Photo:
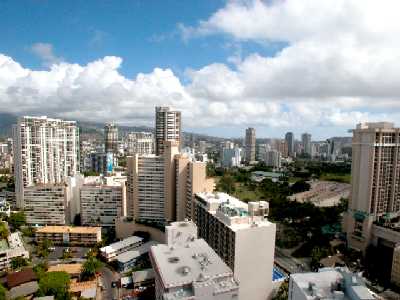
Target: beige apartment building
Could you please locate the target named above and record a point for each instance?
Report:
(375, 195)
(161, 188)
(66, 235)
(45, 152)
(47, 204)
(242, 236)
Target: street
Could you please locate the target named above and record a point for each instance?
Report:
(107, 277)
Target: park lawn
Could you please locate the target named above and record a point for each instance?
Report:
(245, 193)
(344, 178)
(294, 179)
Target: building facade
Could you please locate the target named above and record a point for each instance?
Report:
(250, 145)
(273, 159)
(375, 173)
(140, 143)
(46, 152)
(306, 142)
(47, 204)
(111, 141)
(168, 128)
(66, 235)
(12, 248)
(100, 205)
(242, 236)
(289, 138)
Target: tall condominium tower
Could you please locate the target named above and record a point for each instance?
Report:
(306, 141)
(375, 175)
(160, 188)
(250, 144)
(46, 152)
(289, 137)
(111, 138)
(168, 127)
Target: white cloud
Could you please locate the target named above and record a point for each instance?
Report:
(340, 65)
(45, 52)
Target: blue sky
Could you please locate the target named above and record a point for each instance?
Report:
(278, 66)
(143, 32)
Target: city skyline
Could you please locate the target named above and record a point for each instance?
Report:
(223, 78)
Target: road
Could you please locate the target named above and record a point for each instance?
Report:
(108, 277)
(289, 263)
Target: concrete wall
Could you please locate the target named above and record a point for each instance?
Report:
(124, 229)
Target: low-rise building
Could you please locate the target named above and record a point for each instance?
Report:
(66, 235)
(111, 251)
(191, 271)
(128, 259)
(11, 248)
(328, 283)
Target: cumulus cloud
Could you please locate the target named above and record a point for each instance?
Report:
(45, 52)
(340, 65)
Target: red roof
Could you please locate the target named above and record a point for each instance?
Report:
(17, 278)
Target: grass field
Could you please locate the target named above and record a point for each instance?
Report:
(345, 178)
(244, 193)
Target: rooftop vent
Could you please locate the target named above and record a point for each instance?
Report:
(184, 271)
(173, 260)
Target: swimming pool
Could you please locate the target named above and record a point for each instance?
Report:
(277, 274)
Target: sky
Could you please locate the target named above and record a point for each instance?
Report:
(278, 65)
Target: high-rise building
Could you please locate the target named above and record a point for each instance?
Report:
(140, 143)
(191, 271)
(168, 128)
(250, 145)
(100, 205)
(289, 137)
(242, 236)
(273, 159)
(374, 204)
(161, 188)
(46, 152)
(111, 142)
(231, 157)
(306, 141)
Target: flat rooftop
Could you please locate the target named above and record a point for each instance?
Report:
(121, 244)
(183, 265)
(221, 198)
(68, 229)
(68, 268)
(132, 254)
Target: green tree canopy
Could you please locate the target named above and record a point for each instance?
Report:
(16, 220)
(2, 292)
(55, 284)
(3, 230)
(226, 184)
(90, 267)
(18, 262)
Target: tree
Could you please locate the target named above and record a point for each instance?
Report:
(90, 267)
(283, 292)
(18, 262)
(17, 220)
(41, 268)
(43, 248)
(3, 230)
(226, 184)
(2, 292)
(300, 186)
(55, 284)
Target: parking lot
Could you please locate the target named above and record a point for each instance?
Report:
(76, 252)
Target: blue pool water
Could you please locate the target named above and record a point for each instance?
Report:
(277, 275)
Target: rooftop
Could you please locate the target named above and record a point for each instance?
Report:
(183, 265)
(329, 282)
(132, 254)
(143, 275)
(234, 213)
(121, 244)
(68, 268)
(65, 229)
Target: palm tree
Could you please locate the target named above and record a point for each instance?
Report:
(89, 268)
